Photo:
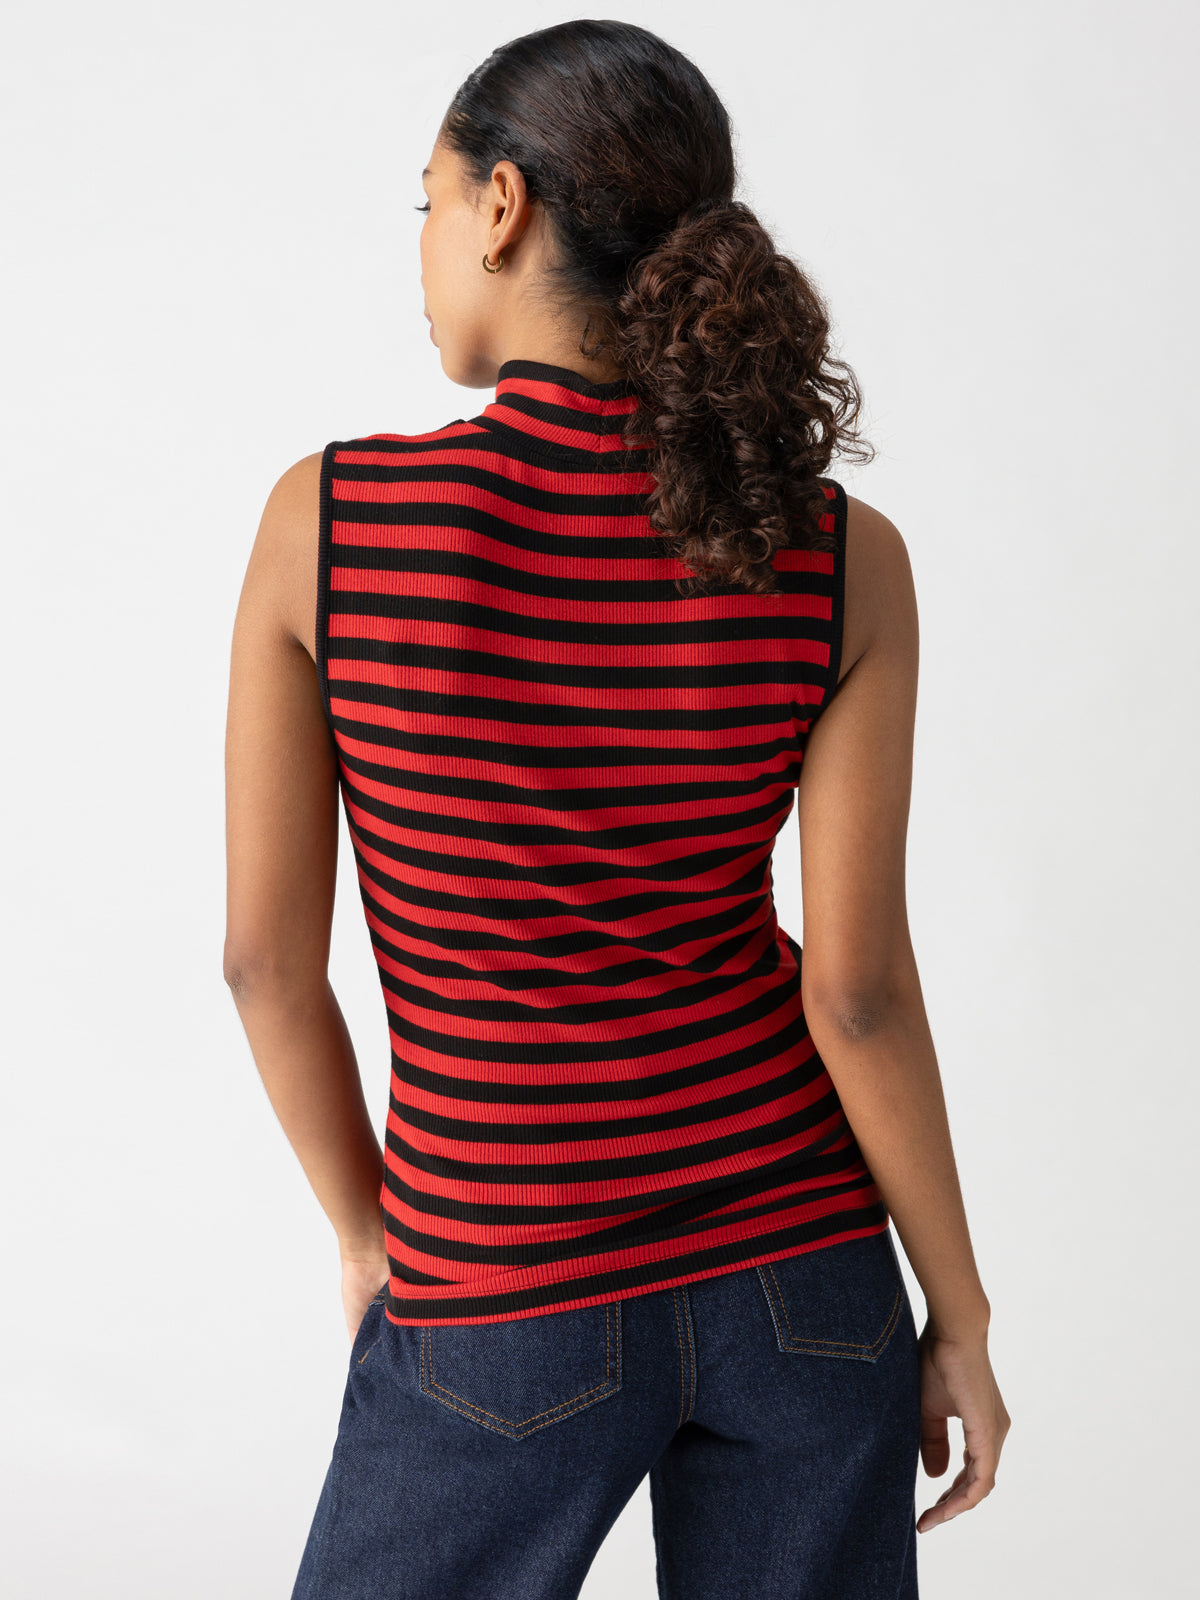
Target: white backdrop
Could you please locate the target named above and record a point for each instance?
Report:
(211, 270)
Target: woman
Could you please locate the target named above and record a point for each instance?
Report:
(567, 660)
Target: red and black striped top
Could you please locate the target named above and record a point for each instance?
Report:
(563, 781)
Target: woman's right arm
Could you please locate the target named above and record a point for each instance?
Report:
(862, 994)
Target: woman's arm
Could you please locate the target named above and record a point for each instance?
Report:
(281, 854)
(862, 994)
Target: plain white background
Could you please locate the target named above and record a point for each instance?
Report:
(211, 270)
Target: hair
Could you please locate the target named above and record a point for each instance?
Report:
(725, 341)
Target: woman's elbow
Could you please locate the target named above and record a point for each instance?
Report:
(860, 1005)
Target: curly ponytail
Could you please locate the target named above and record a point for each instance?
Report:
(725, 340)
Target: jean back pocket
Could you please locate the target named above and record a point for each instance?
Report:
(843, 1299)
(524, 1374)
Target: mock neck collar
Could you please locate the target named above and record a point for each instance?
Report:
(560, 407)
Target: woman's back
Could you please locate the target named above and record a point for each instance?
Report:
(563, 780)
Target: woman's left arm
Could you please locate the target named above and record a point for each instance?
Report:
(281, 790)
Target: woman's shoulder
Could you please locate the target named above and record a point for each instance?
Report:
(880, 600)
(868, 525)
(285, 547)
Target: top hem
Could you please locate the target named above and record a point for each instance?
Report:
(733, 1257)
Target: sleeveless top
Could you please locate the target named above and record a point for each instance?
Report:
(562, 782)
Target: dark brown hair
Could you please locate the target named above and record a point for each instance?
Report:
(724, 339)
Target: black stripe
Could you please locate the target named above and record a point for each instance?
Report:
(324, 542)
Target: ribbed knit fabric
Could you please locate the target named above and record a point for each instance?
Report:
(563, 782)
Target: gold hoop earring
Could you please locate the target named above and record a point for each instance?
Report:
(487, 265)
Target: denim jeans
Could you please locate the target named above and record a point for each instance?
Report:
(776, 1409)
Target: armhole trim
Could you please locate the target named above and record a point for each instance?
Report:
(324, 562)
(838, 612)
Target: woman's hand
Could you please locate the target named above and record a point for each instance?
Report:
(957, 1381)
(361, 1278)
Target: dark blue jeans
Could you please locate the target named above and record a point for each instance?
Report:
(775, 1408)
